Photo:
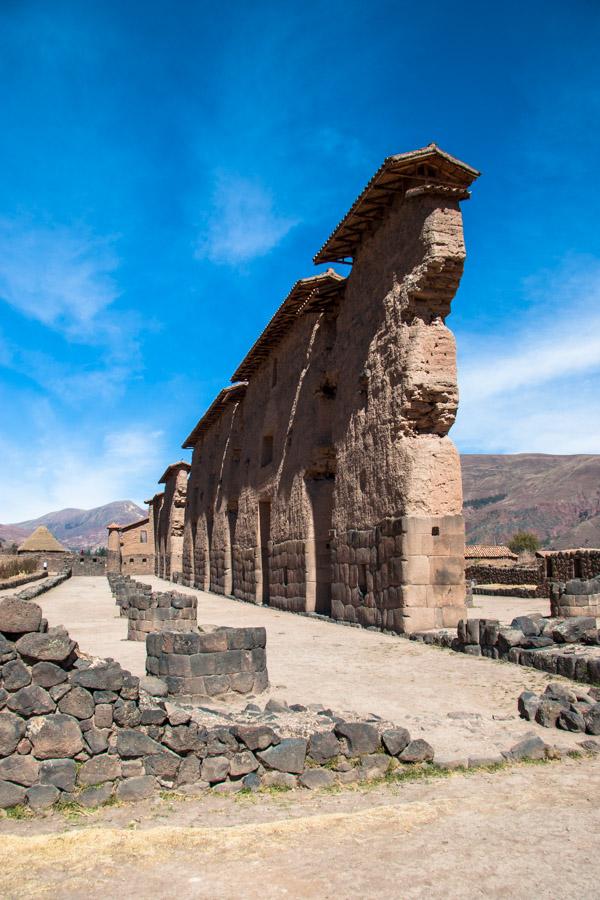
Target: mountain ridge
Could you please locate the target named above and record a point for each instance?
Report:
(78, 529)
(555, 496)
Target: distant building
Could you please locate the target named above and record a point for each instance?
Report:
(42, 545)
(489, 555)
(131, 548)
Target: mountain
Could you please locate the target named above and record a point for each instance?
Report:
(557, 497)
(78, 529)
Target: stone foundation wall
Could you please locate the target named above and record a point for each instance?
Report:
(223, 661)
(244, 573)
(287, 576)
(402, 576)
(576, 598)
(169, 611)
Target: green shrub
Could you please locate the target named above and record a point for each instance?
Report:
(523, 541)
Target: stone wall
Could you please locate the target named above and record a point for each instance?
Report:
(565, 565)
(337, 427)
(576, 598)
(89, 565)
(504, 574)
(210, 664)
(57, 561)
(83, 731)
(160, 611)
(569, 647)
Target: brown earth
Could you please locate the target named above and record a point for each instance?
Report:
(557, 497)
(523, 831)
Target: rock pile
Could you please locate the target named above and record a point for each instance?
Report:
(568, 647)
(72, 727)
(563, 706)
(220, 661)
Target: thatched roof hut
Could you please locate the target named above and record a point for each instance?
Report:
(41, 541)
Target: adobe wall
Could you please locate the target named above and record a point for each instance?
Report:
(331, 484)
(170, 516)
(131, 548)
(88, 565)
(58, 561)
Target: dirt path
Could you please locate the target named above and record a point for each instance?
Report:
(529, 831)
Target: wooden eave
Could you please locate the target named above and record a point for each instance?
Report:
(395, 176)
(227, 395)
(307, 295)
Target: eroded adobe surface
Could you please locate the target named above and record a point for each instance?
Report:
(323, 480)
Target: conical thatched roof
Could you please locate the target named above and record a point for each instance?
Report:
(42, 540)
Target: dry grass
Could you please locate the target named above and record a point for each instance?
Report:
(24, 860)
(10, 566)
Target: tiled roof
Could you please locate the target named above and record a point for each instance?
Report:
(227, 395)
(488, 551)
(307, 295)
(428, 169)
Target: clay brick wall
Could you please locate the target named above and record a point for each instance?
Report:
(131, 548)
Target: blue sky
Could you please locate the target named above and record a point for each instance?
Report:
(169, 170)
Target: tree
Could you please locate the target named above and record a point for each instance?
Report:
(524, 542)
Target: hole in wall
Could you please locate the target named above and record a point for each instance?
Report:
(362, 578)
(435, 531)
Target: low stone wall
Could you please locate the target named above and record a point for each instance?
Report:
(40, 587)
(504, 574)
(167, 611)
(568, 647)
(18, 580)
(124, 589)
(576, 598)
(214, 663)
(78, 729)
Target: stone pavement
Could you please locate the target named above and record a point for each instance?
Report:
(464, 706)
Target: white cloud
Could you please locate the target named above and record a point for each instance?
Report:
(71, 466)
(243, 223)
(56, 275)
(536, 389)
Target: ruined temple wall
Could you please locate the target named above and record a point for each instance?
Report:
(171, 525)
(364, 486)
(234, 470)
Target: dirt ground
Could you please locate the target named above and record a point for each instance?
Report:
(465, 707)
(526, 831)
